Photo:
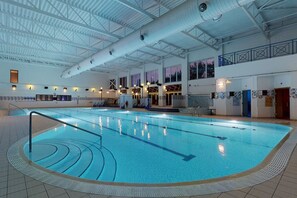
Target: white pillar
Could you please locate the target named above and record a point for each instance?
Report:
(161, 80)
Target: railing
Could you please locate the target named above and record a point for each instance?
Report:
(51, 118)
(9, 108)
(282, 48)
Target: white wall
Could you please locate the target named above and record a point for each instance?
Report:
(267, 74)
(39, 77)
(264, 83)
(201, 86)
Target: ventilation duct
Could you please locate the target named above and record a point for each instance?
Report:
(180, 18)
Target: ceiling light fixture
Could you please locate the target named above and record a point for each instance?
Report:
(13, 87)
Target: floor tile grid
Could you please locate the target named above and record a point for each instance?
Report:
(247, 190)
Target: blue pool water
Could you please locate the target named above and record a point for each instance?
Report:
(151, 148)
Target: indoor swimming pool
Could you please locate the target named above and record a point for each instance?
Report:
(149, 148)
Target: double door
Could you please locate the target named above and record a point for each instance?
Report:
(169, 97)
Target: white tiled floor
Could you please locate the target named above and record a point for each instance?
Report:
(16, 185)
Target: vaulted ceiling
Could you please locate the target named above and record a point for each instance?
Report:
(62, 33)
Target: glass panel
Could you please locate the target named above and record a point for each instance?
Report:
(173, 74)
(123, 81)
(193, 71)
(135, 79)
(178, 73)
(155, 77)
(201, 69)
(167, 74)
(152, 76)
(210, 68)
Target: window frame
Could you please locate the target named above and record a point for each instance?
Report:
(152, 73)
(137, 79)
(11, 76)
(209, 67)
(177, 77)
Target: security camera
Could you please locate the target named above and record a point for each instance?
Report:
(202, 7)
(110, 52)
(91, 61)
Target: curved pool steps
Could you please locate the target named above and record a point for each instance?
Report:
(72, 158)
(50, 159)
(79, 158)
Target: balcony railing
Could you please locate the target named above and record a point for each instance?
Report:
(282, 48)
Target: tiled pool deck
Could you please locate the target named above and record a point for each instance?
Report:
(15, 184)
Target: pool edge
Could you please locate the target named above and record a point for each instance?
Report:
(241, 180)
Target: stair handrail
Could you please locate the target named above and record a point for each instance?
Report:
(9, 109)
(51, 118)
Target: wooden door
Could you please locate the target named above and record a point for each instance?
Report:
(282, 103)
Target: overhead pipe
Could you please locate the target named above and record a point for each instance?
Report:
(186, 15)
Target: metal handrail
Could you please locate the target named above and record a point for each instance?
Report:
(51, 118)
(10, 104)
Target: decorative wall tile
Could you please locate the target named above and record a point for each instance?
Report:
(293, 92)
(254, 93)
(222, 95)
(237, 94)
(271, 93)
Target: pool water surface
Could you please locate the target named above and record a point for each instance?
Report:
(150, 148)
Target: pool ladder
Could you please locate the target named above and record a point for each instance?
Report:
(60, 121)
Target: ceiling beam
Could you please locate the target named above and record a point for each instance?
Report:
(98, 14)
(254, 15)
(264, 4)
(166, 52)
(32, 60)
(39, 48)
(54, 26)
(148, 53)
(39, 51)
(143, 12)
(60, 18)
(137, 59)
(136, 8)
(44, 38)
(281, 18)
(267, 4)
(201, 36)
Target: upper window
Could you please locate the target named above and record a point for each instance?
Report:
(193, 70)
(135, 79)
(123, 81)
(202, 69)
(14, 76)
(152, 76)
(173, 74)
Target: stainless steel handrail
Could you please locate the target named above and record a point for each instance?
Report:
(51, 118)
(10, 104)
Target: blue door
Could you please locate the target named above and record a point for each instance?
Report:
(246, 103)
